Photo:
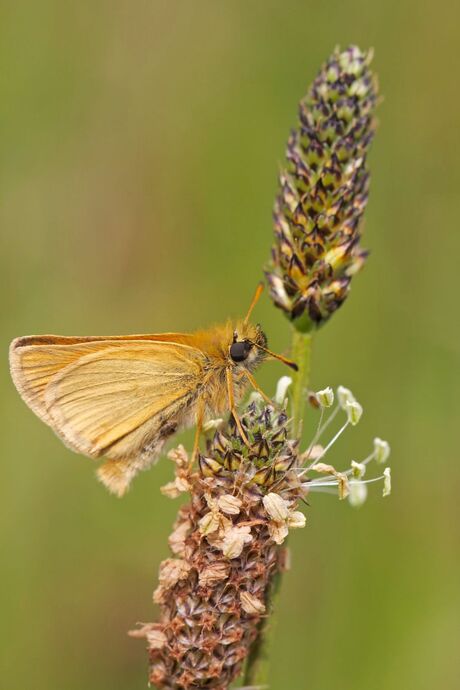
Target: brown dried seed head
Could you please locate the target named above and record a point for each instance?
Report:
(212, 597)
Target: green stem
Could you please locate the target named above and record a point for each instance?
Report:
(301, 354)
(258, 663)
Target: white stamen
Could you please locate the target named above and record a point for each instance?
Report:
(354, 412)
(330, 444)
(315, 437)
(328, 421)
(344, 395)
(325, 397)
(386, 482)
(381, 451)
(358, 494)
(350, 483)
(314, 483)
(358, 469)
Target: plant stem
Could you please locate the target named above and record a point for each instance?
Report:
(301, 354)
(258, 663)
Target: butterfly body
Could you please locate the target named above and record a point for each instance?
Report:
(123, 397)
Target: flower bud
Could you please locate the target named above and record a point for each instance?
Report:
(381, 451)
(325, 397)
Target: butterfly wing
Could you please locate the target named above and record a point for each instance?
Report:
(119, 398)
(35, 360)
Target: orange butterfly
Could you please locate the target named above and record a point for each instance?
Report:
(123, 397)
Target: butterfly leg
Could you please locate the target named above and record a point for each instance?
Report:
(257, 388)
(231, 403)
(199, 428)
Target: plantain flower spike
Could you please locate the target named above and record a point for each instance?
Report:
(323, 191)
(226, 546)
(228, 541)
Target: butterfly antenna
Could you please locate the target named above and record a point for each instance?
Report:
(255, 299)
(289, 362)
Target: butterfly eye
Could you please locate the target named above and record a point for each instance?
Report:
(239, 351)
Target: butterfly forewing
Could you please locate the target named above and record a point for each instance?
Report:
(107, 397)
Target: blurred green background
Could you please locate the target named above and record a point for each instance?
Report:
(140, 144)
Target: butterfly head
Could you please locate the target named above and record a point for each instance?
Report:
(248, 347)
